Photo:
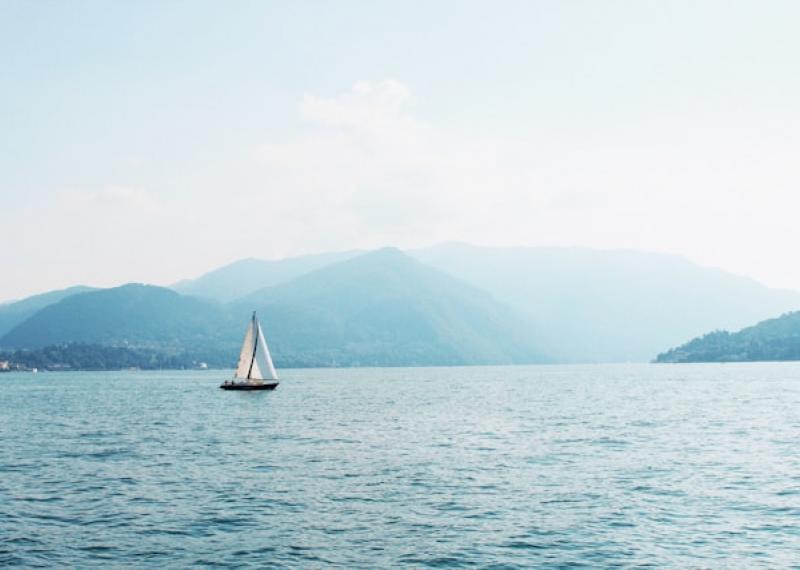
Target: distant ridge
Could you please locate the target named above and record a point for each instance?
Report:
(478, 304)
(242, 277)
(611, 305)
(377, 309)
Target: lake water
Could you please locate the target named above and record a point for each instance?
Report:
(500, 467)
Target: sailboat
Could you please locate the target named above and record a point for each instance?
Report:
(255, 370)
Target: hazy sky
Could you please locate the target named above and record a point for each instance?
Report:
(151, 141)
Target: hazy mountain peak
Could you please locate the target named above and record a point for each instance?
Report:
(611, 305)
(245, 276)
(384, 307)
(581, 304)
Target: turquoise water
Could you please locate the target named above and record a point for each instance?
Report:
(506, 467)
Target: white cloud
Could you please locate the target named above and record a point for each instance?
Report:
(364, 170)
(110, 199)
(127, 197)
(366, 106)
(374, 173)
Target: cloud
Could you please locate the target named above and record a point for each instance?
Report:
(362, 169)
(367, 106)
(110, 199)
(365, 171)
(128, 197)
(362, 165)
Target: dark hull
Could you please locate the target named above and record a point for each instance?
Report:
(264, 386)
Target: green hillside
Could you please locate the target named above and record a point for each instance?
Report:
(773, 339)
(134, 315)
(12, 314)
(79, 356)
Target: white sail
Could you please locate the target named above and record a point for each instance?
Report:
(263, 369)
(255, 362)
(246, 354)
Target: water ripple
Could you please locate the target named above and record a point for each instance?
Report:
(551, 466)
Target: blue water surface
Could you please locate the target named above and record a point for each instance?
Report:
(689, 466)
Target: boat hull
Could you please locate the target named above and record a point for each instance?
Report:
(249, 387)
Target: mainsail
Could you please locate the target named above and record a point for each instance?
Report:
(255, 362)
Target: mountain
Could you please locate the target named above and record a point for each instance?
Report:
(384, 308)
(133, 315)
(248, 275)
(450, 304)
(379, 308)
(13, 313)
(611, 305)
(773, 339)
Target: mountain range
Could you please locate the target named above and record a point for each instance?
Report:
(448, 304)
(379, 308)
(585, 305)
(385, 308)
(611, 305)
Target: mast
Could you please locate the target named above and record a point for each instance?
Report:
(255, 345)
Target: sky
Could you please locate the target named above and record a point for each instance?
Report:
(153, 141)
